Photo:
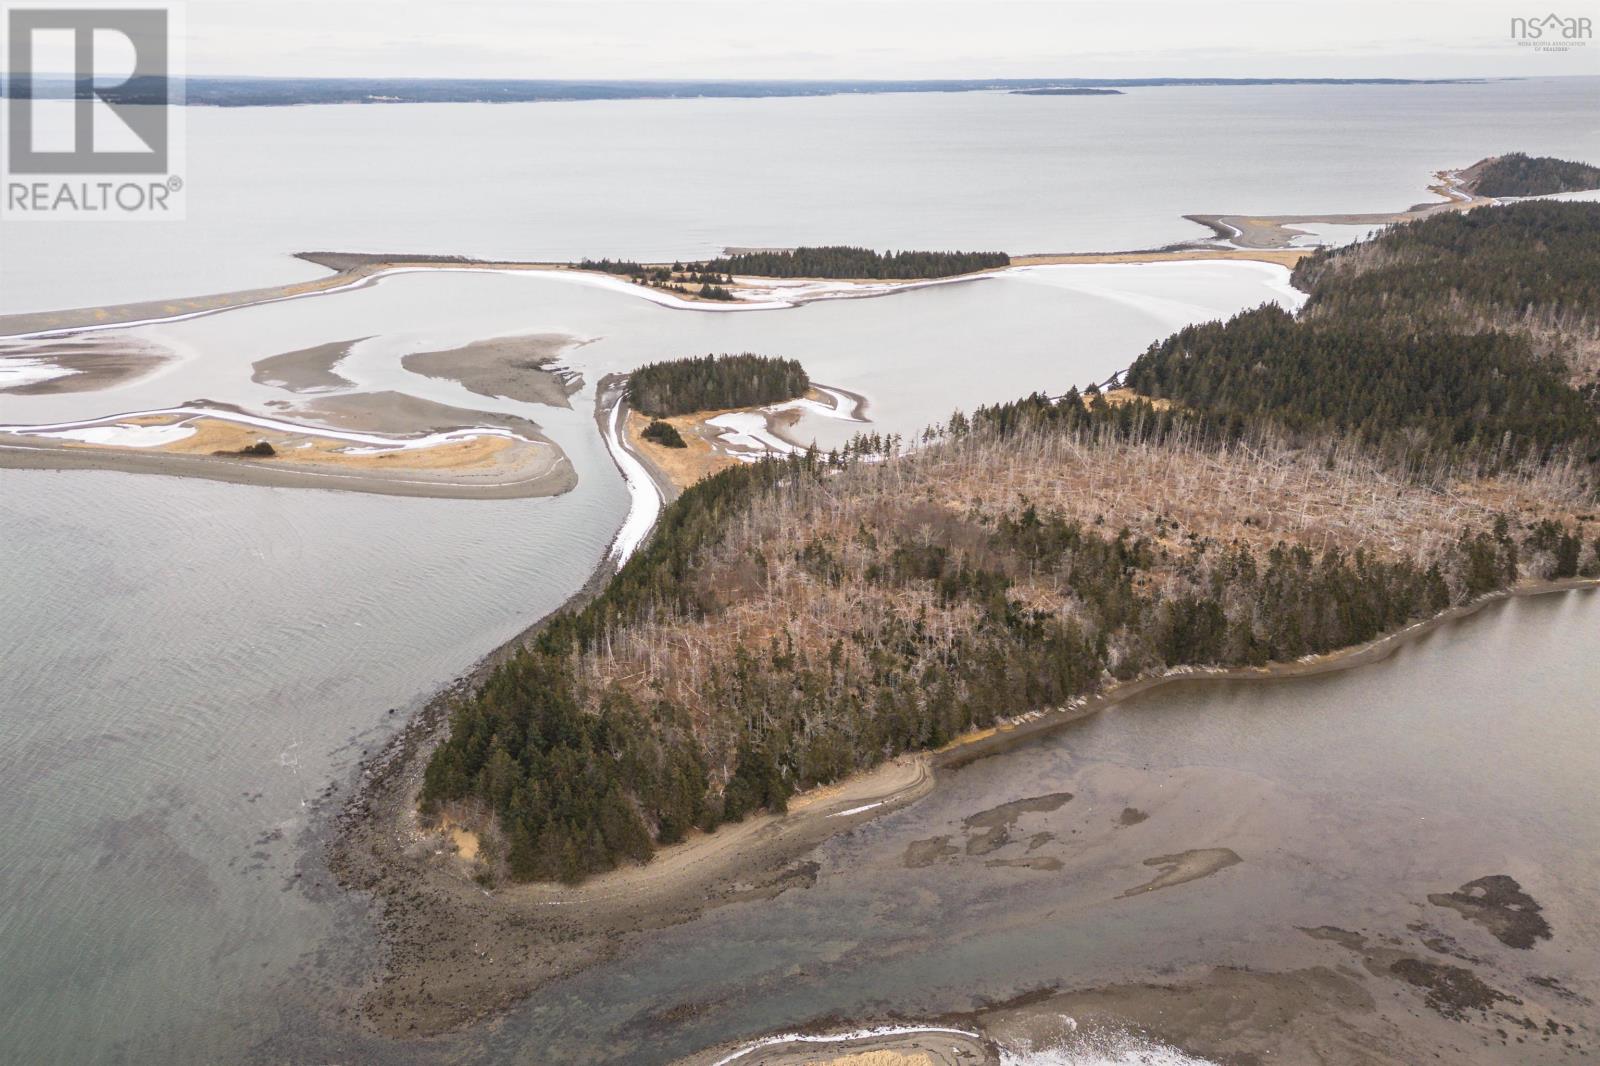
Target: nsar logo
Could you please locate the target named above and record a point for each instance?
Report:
(1552, 33)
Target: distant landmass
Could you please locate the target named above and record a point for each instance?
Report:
(278, 92)
(1071, 90)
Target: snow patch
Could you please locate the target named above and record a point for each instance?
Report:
(123, 435)
(17, 372)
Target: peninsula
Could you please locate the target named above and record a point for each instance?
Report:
(812, 635)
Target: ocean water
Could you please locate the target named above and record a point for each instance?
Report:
(655, 179)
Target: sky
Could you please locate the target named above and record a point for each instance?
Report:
(709, 39)
(873, 38)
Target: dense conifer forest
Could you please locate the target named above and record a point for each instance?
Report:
(1519, 174)
(839, 261)
(796, 620)
(1461, 331)
(714, 383)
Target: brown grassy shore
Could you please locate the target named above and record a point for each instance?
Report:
(675, 469)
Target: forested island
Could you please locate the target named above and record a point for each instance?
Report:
(842, 261)
(1066, 91)
(1284, 486)
(715, 383)
(1519, 174)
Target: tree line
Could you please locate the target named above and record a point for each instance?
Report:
(841, 261)
(1457, 333)
(715, 382)
(1519, 174)
(583, 774)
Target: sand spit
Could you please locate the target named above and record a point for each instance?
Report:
(472, 459)
(881, 1046)
(82, 364)
(1325, 1012)
(648, 489)
(1278, 232)
(1256, 238)
(1340, 997)
(306, 370)
(402, 414)
(517, 368)
(751, 294)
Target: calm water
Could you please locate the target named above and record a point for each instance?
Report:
(659, 179)
(187, 666)
(185, 670)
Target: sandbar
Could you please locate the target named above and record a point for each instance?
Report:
(479, 457)
(517, 368)
(306, 370)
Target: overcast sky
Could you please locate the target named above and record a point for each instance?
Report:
(873, 38)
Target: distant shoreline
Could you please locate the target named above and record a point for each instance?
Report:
(245, 91)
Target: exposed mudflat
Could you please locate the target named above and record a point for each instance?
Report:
(518, 368)
(80, 364)
(1184, 867)
(307, 370)
(1499, 905)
